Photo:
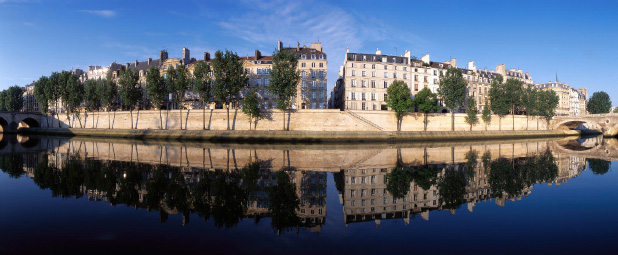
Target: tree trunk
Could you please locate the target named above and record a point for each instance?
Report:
(160, 119)
(527, 122)
(513, 117)
(425, 122)
(131, 111)
(500, 123)
(452, 120)
(283, 111)
(203, 115)
(228, 115)
(180, 115)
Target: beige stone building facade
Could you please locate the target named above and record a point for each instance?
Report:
(572, 101)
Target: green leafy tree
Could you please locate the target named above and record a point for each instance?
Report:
(40, 94)
(202, 85)
(399, 100)
(486, 117)
(547, 101)
(529, 102)
(452, 91)
(426, 101)
(108, 95)
(425, 176)
(92, 92)
(73, 95)
(615, 110)
(130, 91)
(53, 91)
(178, 82)
(599, 103)
(156, 90)
(251, 107)
(514, 90)
(497, 96)
(471, 113)
(13, 99)
(230, 78)
(284, 78)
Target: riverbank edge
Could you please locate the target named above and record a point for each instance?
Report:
(297, 136)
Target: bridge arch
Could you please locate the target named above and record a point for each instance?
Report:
(4, 125)
(29, 123)
(570, 125)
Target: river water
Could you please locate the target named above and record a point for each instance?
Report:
(98, 196)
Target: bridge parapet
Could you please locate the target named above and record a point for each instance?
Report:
(606, 124)
(10, 122)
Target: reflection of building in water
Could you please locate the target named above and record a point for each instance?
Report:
(569, 167)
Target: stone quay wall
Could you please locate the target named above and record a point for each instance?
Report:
(300, 120)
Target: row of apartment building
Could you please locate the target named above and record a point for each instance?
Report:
(361, 85)
(364, 78)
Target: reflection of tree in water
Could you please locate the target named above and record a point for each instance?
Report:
(471, 161)
(231, 200)
(283, 203)
(398, 181)
(426, 176)
(452, 188)
(598, 166)
(13, 165)
(512, 176)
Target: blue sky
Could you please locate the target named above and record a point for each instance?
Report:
(577, 39)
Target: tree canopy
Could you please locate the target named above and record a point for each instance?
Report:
(251, 107)
(452, 89)
(230, 78)
(284, 78)
(426, 101)
(599, 103)
(399, 100)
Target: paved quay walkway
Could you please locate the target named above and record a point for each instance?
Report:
(298, 136)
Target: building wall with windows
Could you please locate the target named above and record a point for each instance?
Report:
(312, 64)
(571, 101)
(366, 78)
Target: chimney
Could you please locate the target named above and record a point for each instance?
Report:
(206, 56)
(347, 50)
(378, 51)
(136, 63)
(471, 66)
(163, 56)
(407, 54)
(258, 54)
(127, 66)
(149, 61)
(453, 62)
(297, 46)
(279, 45)
(425, 59)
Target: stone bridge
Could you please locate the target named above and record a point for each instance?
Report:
(606, 124)
(594, 147)
(10, 122)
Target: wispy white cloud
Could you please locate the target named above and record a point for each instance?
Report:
(102, 13)
(263, 23)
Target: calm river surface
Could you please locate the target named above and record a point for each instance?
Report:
(96, 196)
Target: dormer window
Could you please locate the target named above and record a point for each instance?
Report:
(303, 56)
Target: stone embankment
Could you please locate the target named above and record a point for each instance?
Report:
(299, 136)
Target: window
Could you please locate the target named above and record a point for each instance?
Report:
(313, 97)
(353, 72)
(395, 75)
(364, 66)
(312, 74)
(303, 95)
(383, 59)
(353, 83)
(363, 85)
(435, 81)
(321, 57)
(303, 56)
(373, 84)
(405, 68)
(312, 56)
(304, 84)
(363, 106)
(313, 84)
(385, 75)
(363, 74)
(385, 84)
(373, 74)
(321, 74)
(353, 96)
(405, 76)
(321, 64)
(385, 67)
(313, 64)
(373, 66)
(373, 97)
(303, 74)
(313, 106)
(363, 97)
(435, 72)
(321, 84)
